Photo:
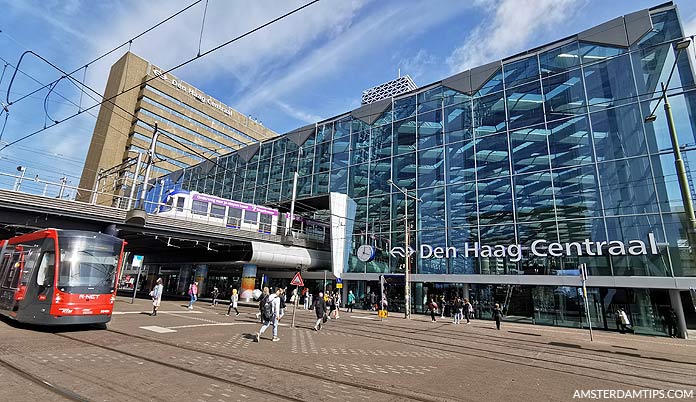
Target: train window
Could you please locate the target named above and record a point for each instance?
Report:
(265, 223)
(13, 268)
(217, 211)
(251, 217)
(87, 263)
(46, 269)
(199, 208)
(5, 265)
(30, 259)
(234, 216)
(180, 204)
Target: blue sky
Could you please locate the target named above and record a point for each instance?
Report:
(308, 67)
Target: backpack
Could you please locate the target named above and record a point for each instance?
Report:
(267, 310)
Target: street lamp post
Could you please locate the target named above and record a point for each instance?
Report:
(678, 161)
(18, 181)
(683, 183)
(407, 265)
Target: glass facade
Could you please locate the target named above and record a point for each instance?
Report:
(553, 146)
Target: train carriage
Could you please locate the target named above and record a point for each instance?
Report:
(59, 277)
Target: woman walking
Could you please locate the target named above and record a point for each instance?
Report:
(433, 309)
(320, 310)
(497, 315)
(156, 296)
(234, 299)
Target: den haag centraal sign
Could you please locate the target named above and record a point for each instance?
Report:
(538, 248)
(195, 93)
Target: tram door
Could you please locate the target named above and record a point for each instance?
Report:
(10, 269)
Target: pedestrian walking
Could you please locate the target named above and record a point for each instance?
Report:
(156, 295)
(270, 314)
(282, 297)
(497, 315)
(457, 305)
(622, 321)
(320, 310)
(671, 321)
(262, 300)
(336, 303)
(331, 302)
(443, 303)
(234, 299)
(468, 309)
(307, 298)
(432, 306)
(351, 302)
(373, 301)
(193, 294)
(215, 294)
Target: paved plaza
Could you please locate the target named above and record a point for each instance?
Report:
(204, 355)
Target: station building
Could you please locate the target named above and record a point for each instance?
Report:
(520, 170)
(194, 125)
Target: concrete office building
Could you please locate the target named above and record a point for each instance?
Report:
(525, 168)
(197, 123)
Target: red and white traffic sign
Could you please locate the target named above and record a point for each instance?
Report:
(297, 280)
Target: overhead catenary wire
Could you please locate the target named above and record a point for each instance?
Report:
(130, 41)
(111, 98)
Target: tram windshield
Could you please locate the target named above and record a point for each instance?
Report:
(88, 264)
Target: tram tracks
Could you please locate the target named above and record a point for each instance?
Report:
(53, 388)
(392, 394)
(512, 358)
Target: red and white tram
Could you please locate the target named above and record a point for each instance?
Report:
(59, 277)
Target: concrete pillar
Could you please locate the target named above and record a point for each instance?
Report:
(466, 291)
(201, 277)
(248, 282)
(675, 298)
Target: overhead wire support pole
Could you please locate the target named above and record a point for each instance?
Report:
(407, 249)
(150, 157)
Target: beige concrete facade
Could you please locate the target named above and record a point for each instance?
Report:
(194, 124)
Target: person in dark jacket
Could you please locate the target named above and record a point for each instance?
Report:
(320, 310)
(497, 315)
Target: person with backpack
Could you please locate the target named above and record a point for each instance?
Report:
(193, 293)
(262, 300)
(320, 310)
(234, 299)
(270, 313)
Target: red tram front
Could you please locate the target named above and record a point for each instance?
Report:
(59, 277)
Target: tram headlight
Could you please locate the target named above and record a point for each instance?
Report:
(112, 299)
(58, 298)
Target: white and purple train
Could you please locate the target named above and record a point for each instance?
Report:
(205, 208)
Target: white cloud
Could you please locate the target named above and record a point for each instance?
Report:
(418, 65)
(350, 49)
(298, 114)
(508, 28)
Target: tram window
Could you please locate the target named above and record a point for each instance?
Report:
(13, 268)
(30, 259)
(5, 265)
(265, 223)
(217, 211)
(199, 208)
(46, 270)
(251, 217)
(180, 204)
(234, 216)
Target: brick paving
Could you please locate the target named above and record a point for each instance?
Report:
(202, 355)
